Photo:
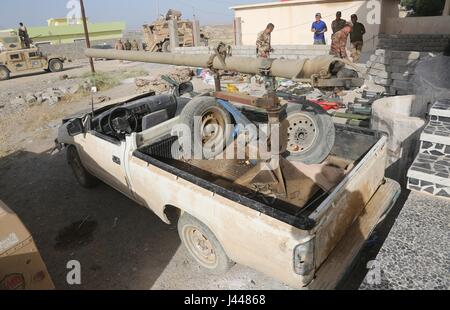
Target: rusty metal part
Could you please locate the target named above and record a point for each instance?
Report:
(301, 68)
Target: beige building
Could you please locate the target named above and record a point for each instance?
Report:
(293, 20)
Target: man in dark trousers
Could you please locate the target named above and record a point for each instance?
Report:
(24, 37)
(356, 38)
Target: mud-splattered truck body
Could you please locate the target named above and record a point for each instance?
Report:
(308, 248)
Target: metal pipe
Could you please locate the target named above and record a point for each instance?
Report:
(290, 69)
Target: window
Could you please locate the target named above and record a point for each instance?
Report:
(33, 54)
(14, 57)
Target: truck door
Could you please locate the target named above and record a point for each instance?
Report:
(34, 60)
(16, 59)
(104, 157)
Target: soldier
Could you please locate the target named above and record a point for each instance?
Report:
(128, 45)
(338, 23)
(356, 38)
(263, 42)
(339, 42)
(135, 46)
(24, 37)
(119, 45)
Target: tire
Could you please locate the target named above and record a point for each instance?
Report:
(165, 47)
(203, 134)
(202, 245)
(311, 133)
(4, 73)
(55, 65)
(84, 178)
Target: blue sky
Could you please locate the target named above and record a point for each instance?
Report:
(133, 12)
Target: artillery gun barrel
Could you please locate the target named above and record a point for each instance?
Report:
(290, 69)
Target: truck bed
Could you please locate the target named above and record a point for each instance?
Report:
(218, 176)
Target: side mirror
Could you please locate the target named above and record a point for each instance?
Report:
(75, 127)
(184, 88)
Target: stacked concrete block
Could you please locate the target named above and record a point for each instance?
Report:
(430, 172)
(280, 51)
(414, 42)
(394, 70)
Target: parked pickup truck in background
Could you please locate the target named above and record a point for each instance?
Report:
(311, 247)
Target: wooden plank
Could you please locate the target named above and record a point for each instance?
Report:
(341, 258)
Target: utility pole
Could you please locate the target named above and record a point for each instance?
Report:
(86, 34)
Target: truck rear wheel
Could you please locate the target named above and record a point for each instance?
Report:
(84, 178)
(203, 245)
(55, 65)
(4, 73)
(311, 133)
(166, 47)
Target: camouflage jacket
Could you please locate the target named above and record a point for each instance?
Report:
(337, 25)
(263, 43)
(338, 44)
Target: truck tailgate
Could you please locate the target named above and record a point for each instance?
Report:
(347, 201)
(340, 260)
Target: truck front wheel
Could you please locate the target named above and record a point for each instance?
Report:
(166, 47)
(83, 177)
(203, 245)
(4, 73)
(55, 65)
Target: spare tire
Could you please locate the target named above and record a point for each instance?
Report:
(311, 133)
(210, 128)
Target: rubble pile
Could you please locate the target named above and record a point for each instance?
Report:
(159, 85)
(50, 96)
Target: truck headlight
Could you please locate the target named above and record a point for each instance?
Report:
(304, 258)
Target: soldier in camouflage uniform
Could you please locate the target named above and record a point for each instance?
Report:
(127, 45)
(339, 42)
(135, 46)
(338, 23)
(263, 42)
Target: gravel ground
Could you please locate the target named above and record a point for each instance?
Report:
(416, 254)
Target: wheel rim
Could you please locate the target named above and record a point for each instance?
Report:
(56, 66)
(302, 133)
(200, 246)
(212, 127)
(3, 74)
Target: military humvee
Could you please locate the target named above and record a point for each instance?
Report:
(14, 59)
(156, 35)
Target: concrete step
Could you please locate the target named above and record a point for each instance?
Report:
(435, 149)
(436, 132)
(430, 174)
(441, 109)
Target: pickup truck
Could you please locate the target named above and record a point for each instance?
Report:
(309, 247)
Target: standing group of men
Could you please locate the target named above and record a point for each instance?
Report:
(127, 46)
(341, 30)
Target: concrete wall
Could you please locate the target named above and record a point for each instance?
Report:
(418, 25)
(72, 51)
(414, 42)
(293, 20)
(286, 51)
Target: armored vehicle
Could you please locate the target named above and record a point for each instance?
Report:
(156, 35)
(15, 59)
